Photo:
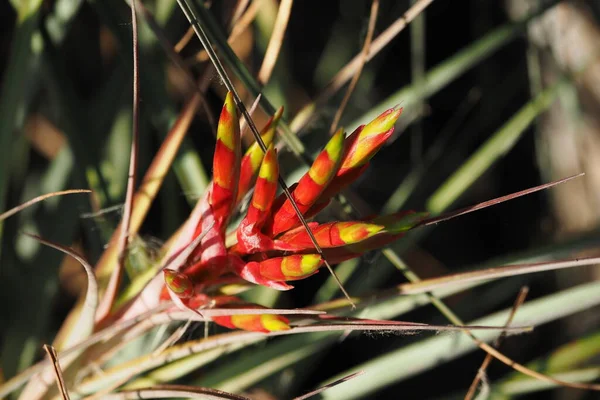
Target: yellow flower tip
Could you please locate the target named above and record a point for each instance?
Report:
(310, 263)
(277, 115)
(383, 123)
(356, 231)
(228, 130)
(273, 323)
(269, 168)
(335, 146)
(178, 282)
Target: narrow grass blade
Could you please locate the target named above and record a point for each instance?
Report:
(274, 47)
(330, 385)
(12, 95)
(60, 381)
(427, 285)
(174, 391)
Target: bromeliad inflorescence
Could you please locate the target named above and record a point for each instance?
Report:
(271, 246)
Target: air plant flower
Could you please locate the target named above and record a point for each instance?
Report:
(272, 247)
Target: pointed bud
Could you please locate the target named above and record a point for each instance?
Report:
(249, 235)
(178, 283)
(311, 185)
(361, 146)
(226, 163)
(254, 155)
(365, 142)
(254, 323)
(273, 272)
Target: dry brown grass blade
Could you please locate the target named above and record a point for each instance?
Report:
(37, 199)
(60, 381)
(529, 372)
(363, 60)
(110, 294)
(239, 27)
(329, 385)
(276, 41)
(238, 11)
(428, 285)
(488, 358)
(346, 73)
(185, 39)
(493, 202)
(85, 325)
(187, 8)
(177, 391)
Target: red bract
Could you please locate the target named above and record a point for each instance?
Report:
(272, 247)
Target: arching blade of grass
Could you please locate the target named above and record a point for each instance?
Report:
(384, 370)
(12, 93)
(84, 325)
(37, 199)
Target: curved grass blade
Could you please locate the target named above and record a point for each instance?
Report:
(85, 323)
(37, 199)
(427, 285)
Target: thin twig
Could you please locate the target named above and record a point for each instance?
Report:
(60, 382)
(488, 358)
(187, 10)
(363, 60)
(110, 293)
(274, 46)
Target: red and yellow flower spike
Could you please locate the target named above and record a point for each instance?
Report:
(226, 163)
(365, 142)
(273, 272)
(178, 283)
(341, 241)
(264, 323)
(250, 238)
(310, 187)
(361, 146)
(249, 322)
(253, 157)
